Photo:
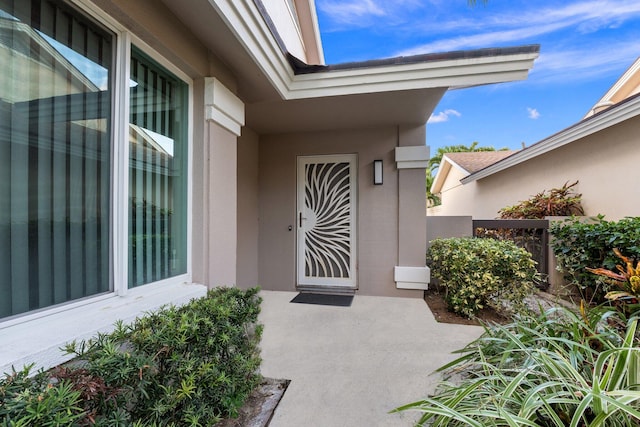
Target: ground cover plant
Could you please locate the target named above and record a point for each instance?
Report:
(579, 245)
(558, 368)
(482, 272)
(179, 366)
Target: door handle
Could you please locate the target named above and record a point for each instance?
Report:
(300, 219)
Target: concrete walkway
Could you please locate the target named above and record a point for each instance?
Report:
(349, 366)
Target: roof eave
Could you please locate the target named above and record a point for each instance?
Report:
(455, 69)
(443, 171)
(380, 77)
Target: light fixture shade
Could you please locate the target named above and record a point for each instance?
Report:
(377, 172)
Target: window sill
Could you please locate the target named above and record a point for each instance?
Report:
(39, 340)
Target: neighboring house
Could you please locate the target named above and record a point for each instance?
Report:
(602, 152)
(151, 149)
(452, 169)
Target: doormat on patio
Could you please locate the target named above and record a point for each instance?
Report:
(323, 299)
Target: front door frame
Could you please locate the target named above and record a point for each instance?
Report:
(306, 218)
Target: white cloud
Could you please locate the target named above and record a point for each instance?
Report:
(347, 14)
(351, 11)
(569, 54)
(533, 113)
(607, 58)
(443, 116)
(514, 26)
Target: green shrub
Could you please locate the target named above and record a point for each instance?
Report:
(179, 366)
(482, 272)
(35, 401)
(554, 369)
(580, 245)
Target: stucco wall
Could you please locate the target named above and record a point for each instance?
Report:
(377, 206)
(457, 199)
(154, 23)
(443, 227)
(247, 268)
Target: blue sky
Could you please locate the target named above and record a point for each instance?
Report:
(585, 46)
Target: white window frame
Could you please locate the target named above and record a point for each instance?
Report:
(120, 172)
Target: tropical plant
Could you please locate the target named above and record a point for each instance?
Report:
(558, 368)
(578, 245)
(432, 199)
(561, 201)
(627, 280)
(482, 272)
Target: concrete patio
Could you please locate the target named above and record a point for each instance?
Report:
(349, 366)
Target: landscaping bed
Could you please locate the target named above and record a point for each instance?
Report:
(434, 298)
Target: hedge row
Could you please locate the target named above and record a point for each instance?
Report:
(179, 366)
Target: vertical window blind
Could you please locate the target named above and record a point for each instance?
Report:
(55, 156)
(157, 172)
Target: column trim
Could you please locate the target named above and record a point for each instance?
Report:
(412, 277)
(412, 157)
(223, 107)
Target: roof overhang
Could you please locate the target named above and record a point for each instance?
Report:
(617, 114)
(443, 171)
(266, 75)
(448, 70)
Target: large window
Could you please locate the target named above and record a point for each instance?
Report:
(57, 153)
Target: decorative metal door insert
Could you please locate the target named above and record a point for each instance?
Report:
(326, 196)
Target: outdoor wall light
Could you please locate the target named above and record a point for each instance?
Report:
(377, 172)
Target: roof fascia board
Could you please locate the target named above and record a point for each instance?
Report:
(425, 75)
(580, 130)
(621, 81)
(307, 13)
(248, 24)
(455, 164)
(443, 171)
(441, 176)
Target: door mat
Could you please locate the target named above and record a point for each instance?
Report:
(323, 299)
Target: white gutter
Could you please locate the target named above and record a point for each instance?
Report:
(582, 129)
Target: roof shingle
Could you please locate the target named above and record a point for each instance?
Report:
(477, 160)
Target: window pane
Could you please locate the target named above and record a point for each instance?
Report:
(54, 156)
(158, 172)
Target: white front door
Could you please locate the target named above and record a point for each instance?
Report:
(326, 221)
